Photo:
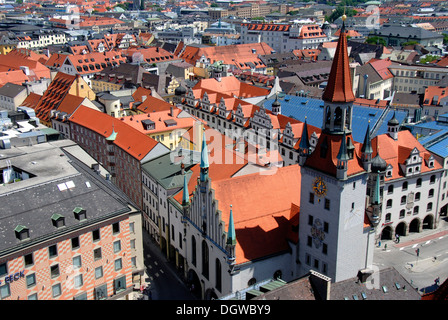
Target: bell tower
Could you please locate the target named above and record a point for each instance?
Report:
(333, 238)
(338, 95)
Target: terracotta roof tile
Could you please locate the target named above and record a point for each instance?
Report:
(339, 87)
(130, 140)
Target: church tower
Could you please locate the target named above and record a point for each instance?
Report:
(333, 238)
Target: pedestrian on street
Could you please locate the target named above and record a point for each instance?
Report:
(437, 281)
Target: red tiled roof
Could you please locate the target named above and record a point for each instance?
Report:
(262, 227)
(395, 152)
(339, 87)
(231, 86)
(266, 27)
(18, 58)
(55, 93)
(327, 162)
(238, 55)
(433, 95)
(130, 140)
(95, 61)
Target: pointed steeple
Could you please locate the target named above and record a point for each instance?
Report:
(231, 242)
(204, 158)
(304, 145)
(342, 159)
(367, 145)
(276, 106)
(185, 195)
(304, 142)
(367, 150)
(339, 86)
(231, 236)
(343, 154)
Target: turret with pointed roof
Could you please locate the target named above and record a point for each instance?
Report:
(366, 150)
(231, 239)
(204, 159)
(339, 86)
(304, 145)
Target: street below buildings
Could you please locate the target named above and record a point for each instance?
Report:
(419, 269)
(164, 281)
(419, 257)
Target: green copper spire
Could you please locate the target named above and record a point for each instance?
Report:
(231, 236)
(367, 145)
(112, 136)
(185, 195)
(343, 154)
(204, 152)
(204, 159)
(304, 143)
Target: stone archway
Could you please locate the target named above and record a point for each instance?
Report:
(401, 229)
(194, 283)
(386, 233)
(428, 222)
(414, 226)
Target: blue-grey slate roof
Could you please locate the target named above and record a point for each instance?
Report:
(312, 109)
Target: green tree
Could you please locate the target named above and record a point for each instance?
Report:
(376, 40)
(428, 58)
(409, 43)
(339, 11)
(445, 38)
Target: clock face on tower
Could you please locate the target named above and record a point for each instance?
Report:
(319, 187)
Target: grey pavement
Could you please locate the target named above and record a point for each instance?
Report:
(431, 262)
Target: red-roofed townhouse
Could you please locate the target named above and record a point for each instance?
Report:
(64, 92)
(158, 58)
(435, 101)
(86, 65)
(284, 37)
(22, 65)
(375, 80)
(233, 57)
(118, 147)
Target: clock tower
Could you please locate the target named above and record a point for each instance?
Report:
(333, 236)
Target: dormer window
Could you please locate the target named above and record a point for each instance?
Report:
(22, 232)
(80, 213)
(58, 220)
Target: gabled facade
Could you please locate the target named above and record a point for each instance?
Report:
(284, 37)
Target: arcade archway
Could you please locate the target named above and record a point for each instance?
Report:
(414, 226)
(386, 234)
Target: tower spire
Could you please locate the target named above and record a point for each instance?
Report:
(231, 240)
(367, 150)
(204, 158)
(339, 87)
(185, 195)
(304, 145)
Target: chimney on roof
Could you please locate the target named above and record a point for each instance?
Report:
(171, 112)
(364, 274)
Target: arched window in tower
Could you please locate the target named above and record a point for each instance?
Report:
(205, 258)
(328, 118)
(338, 118)
(348, 117)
